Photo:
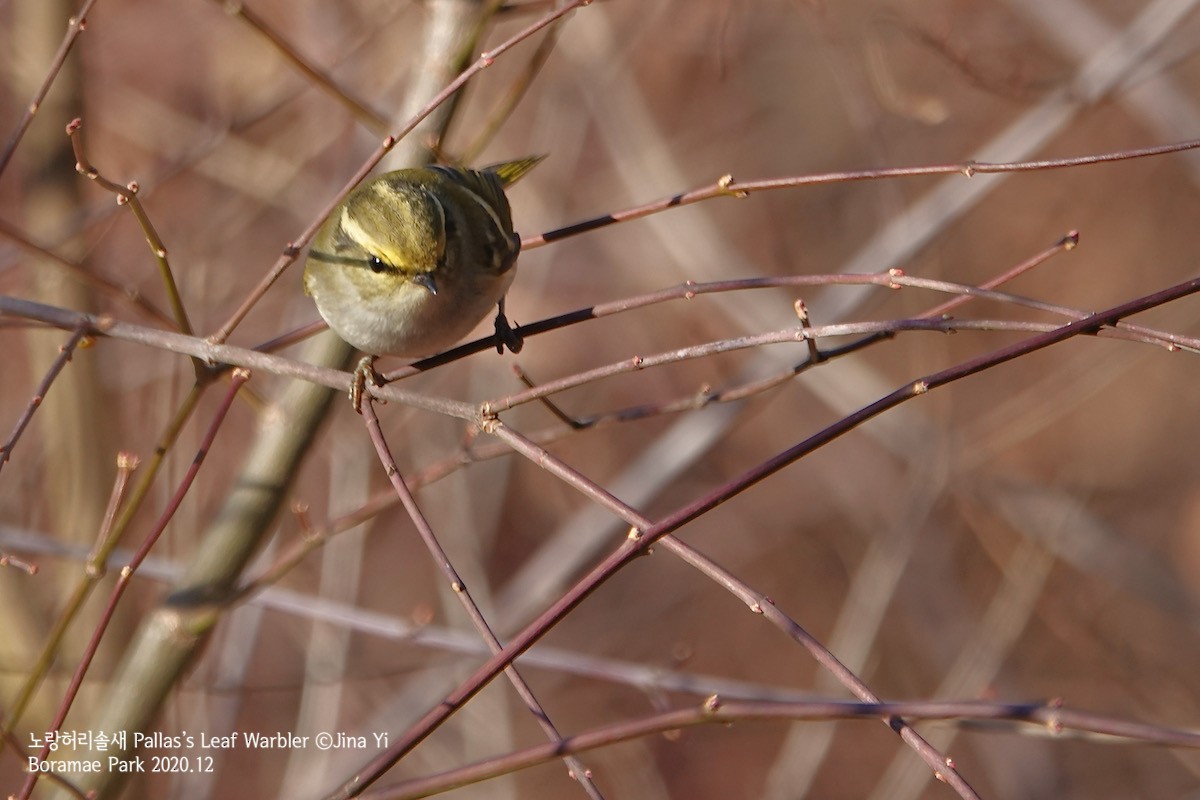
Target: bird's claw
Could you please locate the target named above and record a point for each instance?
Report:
(364, 373)
(506, 335)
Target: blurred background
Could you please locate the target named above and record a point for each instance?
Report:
(1028, 533)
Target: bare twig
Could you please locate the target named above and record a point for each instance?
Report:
(639, 540)
(127, 195)
(9, 560)
(1063, 245)
(755, 601)
(575, 768)
(221, 353)
(239, 377)
(516, 92)
(89, 276)
(690, 289)
(157, 660)
(1051, 717)
(113, 530)
(361, 111)
(75, 26)
(64, 355)
(808, 334)
(726, 186)
(293, 249)
(316, 537)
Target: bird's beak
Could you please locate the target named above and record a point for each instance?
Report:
(426, 280)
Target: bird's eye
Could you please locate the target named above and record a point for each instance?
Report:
(376, 264)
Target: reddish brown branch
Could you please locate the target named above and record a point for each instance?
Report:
(361, 111)
(64, 356)
(726, 186)
(575, 768)
(714, 711)
(239, 377)
(294, 248)
(127, 195)
(639, 540)
(75, 26)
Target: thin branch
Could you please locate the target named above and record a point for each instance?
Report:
(158, 659)
(707, 396)
(16, 562)
(316, 537)
(97, 560)
(294, 248)
(892, 279)
(239, 377)
(361, 111)
(127, 195)
(803, 333)
(100, 326)
(575, 768)
(726, 186)
(638, 541)
(549, 404)
(809, 332)
(64, 355)
(755, 601)
(516, 92)
(91, 277)
(1063, 245)
(100, 555)
(1050, 717)
(75, 26)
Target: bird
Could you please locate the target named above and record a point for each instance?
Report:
(410, 261)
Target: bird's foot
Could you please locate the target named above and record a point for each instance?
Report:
(364, 374)
(506, 335)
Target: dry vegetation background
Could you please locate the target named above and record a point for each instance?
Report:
(1027, 533)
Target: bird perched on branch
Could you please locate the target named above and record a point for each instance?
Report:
(412, 260)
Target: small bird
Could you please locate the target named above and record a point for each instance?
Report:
(412, 260)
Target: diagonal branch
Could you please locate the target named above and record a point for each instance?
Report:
(575, 767)
(639, 541)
